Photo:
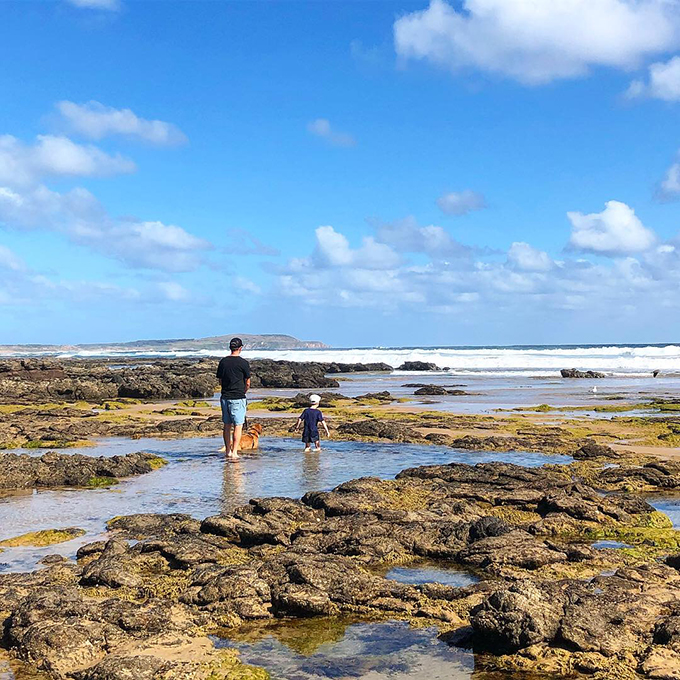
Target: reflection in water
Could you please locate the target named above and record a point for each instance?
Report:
(197, 481)
(311, 470)
(232, 486)
(431, 573)
(369, 651)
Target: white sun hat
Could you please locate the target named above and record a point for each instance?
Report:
(314, 398)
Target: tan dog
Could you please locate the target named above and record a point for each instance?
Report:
(250, 439)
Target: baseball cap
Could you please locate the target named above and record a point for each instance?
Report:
(235, 343)
(314, 398)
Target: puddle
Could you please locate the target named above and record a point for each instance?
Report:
(197, 482)
(603, 545)
(431, 574)
(366, 651)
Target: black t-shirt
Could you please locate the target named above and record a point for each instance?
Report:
(233, 373)
(311, 417)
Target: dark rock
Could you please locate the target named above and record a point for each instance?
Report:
(52, 469)
(418, 366)
(574, 373)
(591, 450)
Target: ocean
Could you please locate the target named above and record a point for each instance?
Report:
(519, 360)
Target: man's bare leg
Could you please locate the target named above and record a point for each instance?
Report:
(238, 431)
(226, 434)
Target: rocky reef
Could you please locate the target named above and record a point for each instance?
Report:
(52, 469)
(574, 373)
(141, 603)
(36, 381)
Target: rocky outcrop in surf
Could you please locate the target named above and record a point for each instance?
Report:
(574, 373)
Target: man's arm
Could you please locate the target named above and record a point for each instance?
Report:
(247, 384)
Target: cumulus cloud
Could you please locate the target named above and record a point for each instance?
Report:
(80, 216)
(321, 127)
(333, 250)
(615, 231)
(460, 202)
(526, 280)
(663, 82)
(669, 187)
(408, 236)
(538, 42)
(526, 258)
(55, 156)
(96, 121)
(110, 5)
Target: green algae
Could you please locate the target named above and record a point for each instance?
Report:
(101, 482)
(43, 538)
(156, 462)
(192, 403)
(230, 667)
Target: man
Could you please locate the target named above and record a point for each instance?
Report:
(234, 374)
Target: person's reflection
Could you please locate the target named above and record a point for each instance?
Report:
(232, 486)
(311, 471)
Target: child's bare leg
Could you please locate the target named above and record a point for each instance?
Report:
(317, 445)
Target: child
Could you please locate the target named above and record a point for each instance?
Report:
(310, 418)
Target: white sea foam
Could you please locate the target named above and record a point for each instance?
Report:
(499, 361)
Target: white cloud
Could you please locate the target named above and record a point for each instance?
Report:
(96, 121)
(78, 215)
(460, 202)
(110, 5)
(174, 292)
(321, 127)
(615, 231)
(8, 260)
(407, 236)
(536, 41)
(528, 281)
(669, 188)
(246, 285)
(664, 82)
(55, 156)
(333, 250)
(526, 258)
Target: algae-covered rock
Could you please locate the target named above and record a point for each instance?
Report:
(54, 469)
(43, 538)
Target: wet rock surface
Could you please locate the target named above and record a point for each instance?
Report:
(52, 469)
(574, 373)
(161, 582)
(30, 381)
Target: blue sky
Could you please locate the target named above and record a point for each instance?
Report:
(486, 172)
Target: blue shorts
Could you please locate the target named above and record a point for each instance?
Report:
(233, 411)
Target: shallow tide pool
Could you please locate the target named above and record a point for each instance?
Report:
(367, 651)
(197, 481)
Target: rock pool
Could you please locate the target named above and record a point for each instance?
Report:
(198, 482)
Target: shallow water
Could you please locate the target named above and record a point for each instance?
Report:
(603, 545)
(670, 505)
(488, 393)
(431, 574)
(197, 481)
(374, 651)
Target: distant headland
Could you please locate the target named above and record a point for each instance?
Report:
(251, 341)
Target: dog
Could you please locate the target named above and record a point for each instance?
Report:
(250, 439)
